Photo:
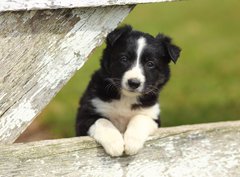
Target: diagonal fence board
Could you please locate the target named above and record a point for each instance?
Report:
(39, 52)
(184, 151)
(15, 5)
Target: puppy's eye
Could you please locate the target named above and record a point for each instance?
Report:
(150, 64)
(123, 59)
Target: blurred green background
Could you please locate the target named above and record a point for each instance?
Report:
(205, 81)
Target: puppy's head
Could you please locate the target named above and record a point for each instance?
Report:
(137, 62)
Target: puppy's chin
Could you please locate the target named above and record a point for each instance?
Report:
(129, 93)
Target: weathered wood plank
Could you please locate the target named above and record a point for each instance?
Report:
(16, 5)
(185, 151)
(39, 52)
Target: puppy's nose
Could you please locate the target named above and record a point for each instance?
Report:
(134, 83)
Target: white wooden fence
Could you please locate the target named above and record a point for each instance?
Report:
(42, 44)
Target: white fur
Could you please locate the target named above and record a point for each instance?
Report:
(104, 132)
(119, 112)
(138, 130)
(136, 71)
(141, 43)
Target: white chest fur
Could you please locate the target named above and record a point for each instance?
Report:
(119, 112)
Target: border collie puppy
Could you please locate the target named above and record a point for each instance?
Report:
(120, 108)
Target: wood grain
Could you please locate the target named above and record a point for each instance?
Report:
(186, 151)
(39, 52)
(16, 5)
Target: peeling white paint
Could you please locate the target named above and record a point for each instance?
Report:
(108, 171)
(42, 162)
(148, 168)
(16, 118)
(169, 147)
(2, 95)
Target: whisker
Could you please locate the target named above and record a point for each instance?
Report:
(152, 90)
(114, 83)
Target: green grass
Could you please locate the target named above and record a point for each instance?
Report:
(205, 82)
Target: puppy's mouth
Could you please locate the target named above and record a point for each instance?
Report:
(131, 92)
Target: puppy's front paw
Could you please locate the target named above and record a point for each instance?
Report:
(113, 144)
(132, 144)
(104, 132)
(114, 148)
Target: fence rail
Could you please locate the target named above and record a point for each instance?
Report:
(189, 151)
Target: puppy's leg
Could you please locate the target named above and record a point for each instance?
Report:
(108, 136)
(138, 130)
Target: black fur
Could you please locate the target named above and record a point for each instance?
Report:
(122, 43)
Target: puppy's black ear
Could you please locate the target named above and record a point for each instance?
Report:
(173, 51)
(117, 33)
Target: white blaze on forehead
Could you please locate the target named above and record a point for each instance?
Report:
(141, 43)
(136, 71)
